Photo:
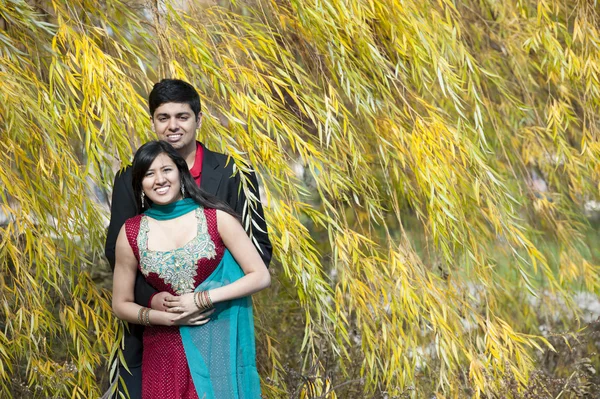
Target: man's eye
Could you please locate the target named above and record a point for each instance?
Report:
(162, 119)
(184, 118)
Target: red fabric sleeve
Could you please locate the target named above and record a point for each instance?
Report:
(132, 228)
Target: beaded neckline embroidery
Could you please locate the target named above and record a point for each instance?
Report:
(177, 267)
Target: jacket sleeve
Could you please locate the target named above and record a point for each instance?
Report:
(258, 225)
(123, 207)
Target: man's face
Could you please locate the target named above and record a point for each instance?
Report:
(176, 124)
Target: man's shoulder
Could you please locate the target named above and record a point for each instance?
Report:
(124, 173)
(218, 159)
(123, 185)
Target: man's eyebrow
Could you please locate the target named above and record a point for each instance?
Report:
(177, 114)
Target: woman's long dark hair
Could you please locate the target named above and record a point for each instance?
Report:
(142, 161)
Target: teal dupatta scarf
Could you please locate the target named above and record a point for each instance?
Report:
(172, 210)
(221, 354)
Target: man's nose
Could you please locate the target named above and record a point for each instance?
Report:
(173, 124)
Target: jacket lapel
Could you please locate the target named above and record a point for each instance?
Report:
(211, 173)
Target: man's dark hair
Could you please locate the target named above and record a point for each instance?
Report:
(173, 91)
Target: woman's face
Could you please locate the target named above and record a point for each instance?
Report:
(162, 183)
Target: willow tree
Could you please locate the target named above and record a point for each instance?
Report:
(396, 141)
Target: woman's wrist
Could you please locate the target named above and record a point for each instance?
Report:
(214, 295)
(160, 318)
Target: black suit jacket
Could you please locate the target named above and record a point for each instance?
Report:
(217, 179)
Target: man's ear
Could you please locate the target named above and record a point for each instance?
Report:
(199, 119)
(152, 124)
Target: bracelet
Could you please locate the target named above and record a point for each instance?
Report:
(143, 317)
(140, 311)
(196, 300)
(209, 300)
(202, 300)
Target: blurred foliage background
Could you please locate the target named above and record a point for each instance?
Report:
(430, 173)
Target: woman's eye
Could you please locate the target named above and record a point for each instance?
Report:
(148, 174)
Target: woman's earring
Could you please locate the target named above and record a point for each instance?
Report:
(143, 195)
(182, 189)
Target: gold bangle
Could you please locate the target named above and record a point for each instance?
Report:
(209, 300)
(206, 306)
(140, 311)
(196, 300)
(204, 301)
(144, 316)
(201, 300)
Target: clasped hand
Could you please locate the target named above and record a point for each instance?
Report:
(184, 306)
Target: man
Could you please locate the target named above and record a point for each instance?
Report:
(176, 116)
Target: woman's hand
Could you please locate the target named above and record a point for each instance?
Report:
(181, 304)
(195, 319)
(189, 314)
(158, 301)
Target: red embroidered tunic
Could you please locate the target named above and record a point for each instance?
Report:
(165, 372)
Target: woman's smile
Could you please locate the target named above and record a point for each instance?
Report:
(162, 190)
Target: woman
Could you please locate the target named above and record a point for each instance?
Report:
(187, 243)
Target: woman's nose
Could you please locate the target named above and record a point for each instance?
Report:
(160, 178)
